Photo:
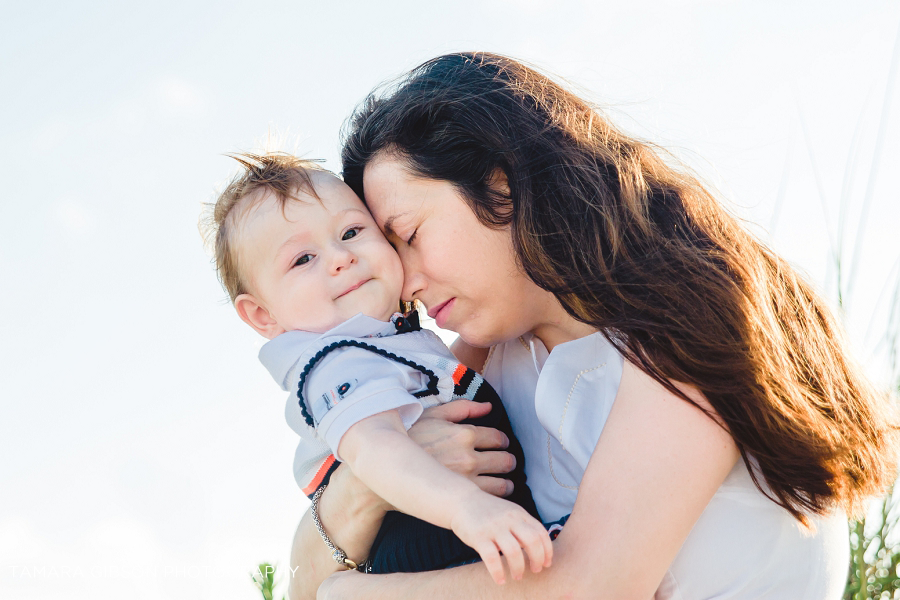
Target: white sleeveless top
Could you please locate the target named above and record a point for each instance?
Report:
(743, 546)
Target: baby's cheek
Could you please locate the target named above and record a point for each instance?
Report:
(397, 274)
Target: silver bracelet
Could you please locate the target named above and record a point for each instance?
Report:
(337, 554)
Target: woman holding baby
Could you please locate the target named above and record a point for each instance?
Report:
(681, 394)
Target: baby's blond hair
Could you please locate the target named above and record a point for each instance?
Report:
(279, 173)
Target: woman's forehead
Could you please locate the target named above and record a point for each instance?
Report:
(385, 172)
(391, 191)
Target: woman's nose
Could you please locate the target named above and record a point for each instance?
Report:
(413, 284)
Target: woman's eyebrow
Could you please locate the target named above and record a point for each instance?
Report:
(389, 223)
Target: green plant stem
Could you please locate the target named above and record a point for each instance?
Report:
(861, 567)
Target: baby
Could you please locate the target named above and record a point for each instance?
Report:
(307, 267)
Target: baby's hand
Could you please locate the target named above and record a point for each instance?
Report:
(491, 525)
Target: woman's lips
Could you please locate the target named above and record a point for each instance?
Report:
(441, 312)
(354, 287)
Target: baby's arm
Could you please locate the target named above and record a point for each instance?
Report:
(380, 453)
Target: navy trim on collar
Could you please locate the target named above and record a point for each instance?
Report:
(430, 390)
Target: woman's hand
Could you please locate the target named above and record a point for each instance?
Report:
(327, 590)
(473, 452)
(343, 585)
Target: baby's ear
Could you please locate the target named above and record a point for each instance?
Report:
(257, 316)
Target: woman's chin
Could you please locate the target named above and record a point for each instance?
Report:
(477, 339)
(481, 330)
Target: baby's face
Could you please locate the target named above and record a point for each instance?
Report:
(315, 264)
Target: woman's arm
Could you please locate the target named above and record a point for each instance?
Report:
(656, 466)
(351, 513)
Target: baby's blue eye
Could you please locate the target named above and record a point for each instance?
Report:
(303, 260)
(350, 233)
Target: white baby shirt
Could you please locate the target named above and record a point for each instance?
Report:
(355, 370)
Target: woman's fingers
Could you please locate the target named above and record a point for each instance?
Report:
(488, 438)
(458, 410)
(456, 445)
(341, 585)
(495, 486)
(495, 462)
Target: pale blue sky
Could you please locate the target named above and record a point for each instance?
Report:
(145, 448)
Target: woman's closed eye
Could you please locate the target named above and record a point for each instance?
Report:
(412, 237)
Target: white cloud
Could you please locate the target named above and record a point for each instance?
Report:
(74, 218)
(122, 543)
(49, 136)
(180, 97)
(18, 541)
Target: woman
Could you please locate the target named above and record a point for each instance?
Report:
(617, 297)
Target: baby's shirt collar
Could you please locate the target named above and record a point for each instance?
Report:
(280, 354)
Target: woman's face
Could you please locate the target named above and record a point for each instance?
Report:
(464, 272)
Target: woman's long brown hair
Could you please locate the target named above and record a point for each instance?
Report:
(644, 253)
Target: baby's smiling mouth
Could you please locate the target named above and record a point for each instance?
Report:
(354, 287)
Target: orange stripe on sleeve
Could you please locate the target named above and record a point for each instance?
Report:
(319, 476)
(459, 372)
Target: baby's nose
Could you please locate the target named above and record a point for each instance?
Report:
(342, 259)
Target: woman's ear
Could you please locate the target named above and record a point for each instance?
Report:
(500, 185)
(253, 313)
(498, 182)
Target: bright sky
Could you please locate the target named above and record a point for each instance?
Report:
(145, 448)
